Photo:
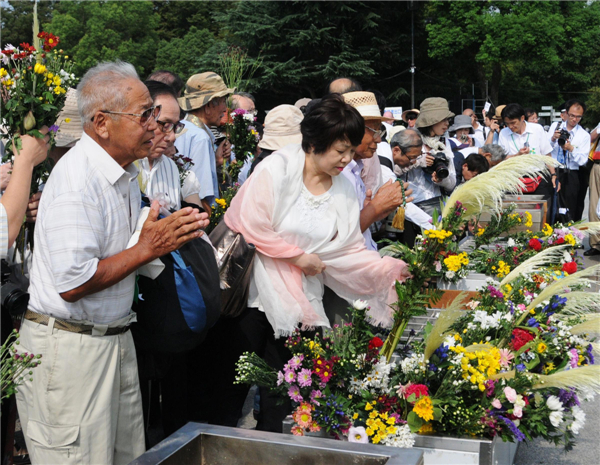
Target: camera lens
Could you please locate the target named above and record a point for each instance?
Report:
(14, 299)
(442, 172)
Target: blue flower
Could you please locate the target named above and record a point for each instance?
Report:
(533, 322)
(520, 367)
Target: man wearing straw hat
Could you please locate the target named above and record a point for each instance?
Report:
(205, 101)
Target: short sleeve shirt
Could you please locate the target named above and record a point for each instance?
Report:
(534, 135)
(87, 213)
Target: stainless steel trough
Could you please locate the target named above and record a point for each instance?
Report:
(204, 444)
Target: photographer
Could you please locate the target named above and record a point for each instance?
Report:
(494, 124)
(438, 171)
(16, 197)
(570, 146)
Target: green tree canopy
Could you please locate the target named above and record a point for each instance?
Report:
(101, 31)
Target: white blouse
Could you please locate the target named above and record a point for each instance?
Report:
(310, 223)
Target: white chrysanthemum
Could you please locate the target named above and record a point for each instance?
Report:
(403, 438)
(554, 403)
(578, 419)
(412, 363)
(511, 242)
(556, 418)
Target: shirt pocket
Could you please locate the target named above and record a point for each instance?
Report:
(53, 443)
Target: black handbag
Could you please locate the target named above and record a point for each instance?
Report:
(234, 260)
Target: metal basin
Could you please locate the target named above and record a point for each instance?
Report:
(203, 444)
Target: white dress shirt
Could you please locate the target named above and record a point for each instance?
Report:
(161, 180)
(580, 140)
(88, 212)
(352, 172)
(534, 135)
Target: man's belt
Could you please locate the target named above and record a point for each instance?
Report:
(70, 326)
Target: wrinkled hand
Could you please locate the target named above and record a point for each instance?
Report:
(223, 151)
(5, 171)
(34, 150)
(32, 207)
(309, 263)
(159, 237)
(387, 199)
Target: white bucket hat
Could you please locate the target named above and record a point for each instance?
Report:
(282, 127)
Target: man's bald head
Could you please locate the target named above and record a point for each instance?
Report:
(343, 86)
(468, 112)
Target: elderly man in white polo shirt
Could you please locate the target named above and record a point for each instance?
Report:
(83, 404)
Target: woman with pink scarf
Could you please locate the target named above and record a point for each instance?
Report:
(303, 218)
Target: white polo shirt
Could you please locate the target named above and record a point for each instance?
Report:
(88, 213)
(534, 135)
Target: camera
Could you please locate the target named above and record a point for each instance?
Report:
(439, 167)
(563, 137)
(12, 297)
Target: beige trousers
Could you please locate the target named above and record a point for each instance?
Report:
(594, 196)
(83, 404)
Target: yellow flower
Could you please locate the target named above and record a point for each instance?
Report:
(369, 432)
(66, 57)
(424, 408)
(426, 428)
(373, 414)
(480, 232)
(3, 72)
(368, 406)
(570, 239)
(39, 68)
(528, 220)
(221, 202)
(549, 367)
(503, 269)
(57, 81)
(67, 120)
(8, 82)
(541, 348)
(355, 416)
(391, 421)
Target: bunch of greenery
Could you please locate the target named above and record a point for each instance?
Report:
(15, 366)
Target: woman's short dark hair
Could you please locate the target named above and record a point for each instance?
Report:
(157, 88)
(513, 111)
(477, 163)
(328, 121)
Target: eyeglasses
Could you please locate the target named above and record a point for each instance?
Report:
(576, 117)
(151, 113)
(168, 127)
(376, 133)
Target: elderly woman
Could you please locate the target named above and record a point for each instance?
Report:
(303, 218)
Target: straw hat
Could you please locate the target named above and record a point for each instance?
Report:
(366, 104)
(433, 110)
(461, 122)
(69, 132)
(201, 89)
(282, 127)
(498, 112)
(406, 112)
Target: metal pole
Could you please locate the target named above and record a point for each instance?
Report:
(412, 53)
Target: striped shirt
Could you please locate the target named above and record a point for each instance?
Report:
(88, 213)
(162, 178)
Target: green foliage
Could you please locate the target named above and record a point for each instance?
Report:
(106, 31)
(182, 55)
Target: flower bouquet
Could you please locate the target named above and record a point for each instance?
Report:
(15, 367)
(338, 382)
(517, 364)
(500, 224)
(221, 206)
(33, 84)
(241, 132)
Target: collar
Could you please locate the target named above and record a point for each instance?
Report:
(526, 131)
(101, 159)
(563, 125)
(144, 164)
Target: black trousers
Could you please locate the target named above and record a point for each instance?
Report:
(584, 183)
(568, 196)
(546, 189)
(214, 396)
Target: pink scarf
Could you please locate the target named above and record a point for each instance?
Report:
(352, 271)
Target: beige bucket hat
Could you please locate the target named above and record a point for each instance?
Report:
(433, 110)
(406, 112)
(68, 121)
(282, 127)
(366, 104)
(201, 89)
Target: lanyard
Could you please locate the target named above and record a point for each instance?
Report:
(512, 136)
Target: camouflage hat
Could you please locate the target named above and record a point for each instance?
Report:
(201, 89)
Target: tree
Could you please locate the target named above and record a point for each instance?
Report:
(306, 44)
(104, 31)
(182, 55)
(517, 45)
(17, 20)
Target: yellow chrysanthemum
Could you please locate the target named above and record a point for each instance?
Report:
(424, 408)
(39, 68)
(541, 348)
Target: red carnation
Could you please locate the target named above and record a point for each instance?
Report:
(560, 240)
(535, 245)
(570, 267)
(520, 337)
(417, 389)
(375, 343)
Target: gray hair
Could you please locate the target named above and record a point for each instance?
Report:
(497, 152)
(99, 88)
(406, 139)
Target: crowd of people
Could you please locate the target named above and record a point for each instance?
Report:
(322, 189)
